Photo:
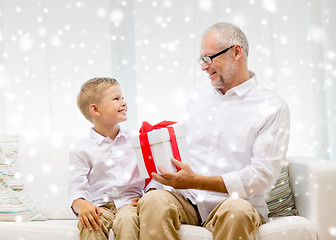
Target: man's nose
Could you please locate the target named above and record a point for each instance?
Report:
(204, 66)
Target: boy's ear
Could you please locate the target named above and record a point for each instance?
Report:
(94, 110)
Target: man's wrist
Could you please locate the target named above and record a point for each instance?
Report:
(210, 183)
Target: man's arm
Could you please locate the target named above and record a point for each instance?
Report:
(188, 179)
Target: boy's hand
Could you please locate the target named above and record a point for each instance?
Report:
(134, 202)
(88, 214)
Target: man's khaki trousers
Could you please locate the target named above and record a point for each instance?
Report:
(161, 213)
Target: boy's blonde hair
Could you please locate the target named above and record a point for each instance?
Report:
(91, 93)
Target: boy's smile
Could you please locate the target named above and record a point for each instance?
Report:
(123, 110)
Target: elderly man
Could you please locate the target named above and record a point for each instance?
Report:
(237, 134)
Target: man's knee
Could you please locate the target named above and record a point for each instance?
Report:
(237, 203)
(161, 202)
(153, 198)
(235, 208)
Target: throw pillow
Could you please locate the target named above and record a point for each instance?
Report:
(15, 203)
(280, 199)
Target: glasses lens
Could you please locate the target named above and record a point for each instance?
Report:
(207, 60)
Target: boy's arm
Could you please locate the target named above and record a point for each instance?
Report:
(79, 168)
(88, 213)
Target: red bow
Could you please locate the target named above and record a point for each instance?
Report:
(145, 147)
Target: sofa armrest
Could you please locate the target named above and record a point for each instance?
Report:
(313, 182)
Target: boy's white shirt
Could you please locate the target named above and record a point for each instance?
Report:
(103, 170)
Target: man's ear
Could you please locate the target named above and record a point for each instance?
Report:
(238, 51)
(94, 110)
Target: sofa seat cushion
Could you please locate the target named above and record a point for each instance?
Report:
(189, 232)
(289, 228)
(40, 230)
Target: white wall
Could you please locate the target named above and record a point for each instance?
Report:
(3, 120)
(49, 48)
(290, 50)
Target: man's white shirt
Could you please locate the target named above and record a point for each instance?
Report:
(241, 136)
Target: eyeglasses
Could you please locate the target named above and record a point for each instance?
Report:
(208, 59)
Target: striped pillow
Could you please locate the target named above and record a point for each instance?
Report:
(15, 203)
(280, 199)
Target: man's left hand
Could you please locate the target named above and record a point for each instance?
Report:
(183, 179)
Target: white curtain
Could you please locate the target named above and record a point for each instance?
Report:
(49, 48)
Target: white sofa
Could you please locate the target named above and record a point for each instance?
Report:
(44, 167)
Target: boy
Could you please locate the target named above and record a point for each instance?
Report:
(105, 184)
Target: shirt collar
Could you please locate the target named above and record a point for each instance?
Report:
(98, 138)
(243, 88)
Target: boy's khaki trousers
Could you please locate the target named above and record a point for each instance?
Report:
(124, 223)
(162, 212)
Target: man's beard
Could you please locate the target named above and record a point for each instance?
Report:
(225, 79)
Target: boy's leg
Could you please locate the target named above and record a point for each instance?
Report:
(126, 224)
(161, 214)
(106, 219)
(234, 218)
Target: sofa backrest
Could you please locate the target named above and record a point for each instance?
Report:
(44, 168)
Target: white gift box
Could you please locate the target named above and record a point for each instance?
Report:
(161, 148)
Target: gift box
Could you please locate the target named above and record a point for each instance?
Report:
(156, 145)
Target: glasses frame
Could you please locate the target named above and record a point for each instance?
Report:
(208, 59)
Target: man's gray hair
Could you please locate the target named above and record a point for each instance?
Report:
(228, 34)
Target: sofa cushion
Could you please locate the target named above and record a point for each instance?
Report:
(190, 232)
(280, 199)
(15, 203)
(40, 230)
(289, 228)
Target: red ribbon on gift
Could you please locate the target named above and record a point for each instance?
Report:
(145, 147)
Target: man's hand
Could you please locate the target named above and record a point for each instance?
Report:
(88, 214)
(187, 178)
(183, 179)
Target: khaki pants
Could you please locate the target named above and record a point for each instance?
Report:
(162, 212)
(124, 223)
